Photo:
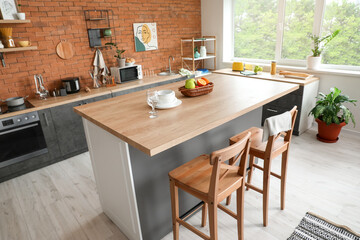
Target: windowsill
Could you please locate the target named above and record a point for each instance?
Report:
(304, 69)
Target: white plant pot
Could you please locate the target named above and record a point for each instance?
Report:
(20, 16)
(121, 62)
(313, 62)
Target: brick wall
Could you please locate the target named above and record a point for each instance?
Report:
(53, 20)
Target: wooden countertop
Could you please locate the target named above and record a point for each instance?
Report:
(268, 76)
(127, 116)
(82, 95)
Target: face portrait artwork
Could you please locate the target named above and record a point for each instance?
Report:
(145, 36)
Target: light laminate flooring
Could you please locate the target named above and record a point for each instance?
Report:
(60, 201)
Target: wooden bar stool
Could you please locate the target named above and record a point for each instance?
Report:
(273, 147)
(211, 180)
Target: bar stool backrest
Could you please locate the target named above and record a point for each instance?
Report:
(218, 158)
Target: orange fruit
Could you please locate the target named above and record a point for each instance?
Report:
(207, 81)
(201, 82)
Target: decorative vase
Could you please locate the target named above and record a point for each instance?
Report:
(328, 133)
(121, 62)
(202, 51)
(196, 54)
(313, 62)
(20, 16)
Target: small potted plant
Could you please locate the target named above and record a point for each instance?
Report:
(119, 58)
(20, 15)
(314, 60)
(331, 114)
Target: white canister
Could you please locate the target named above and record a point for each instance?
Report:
(21, 16)
(202, 51)
(1, 45)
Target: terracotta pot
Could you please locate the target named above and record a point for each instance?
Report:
(328, 133)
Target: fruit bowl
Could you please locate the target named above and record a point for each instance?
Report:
(197, 91)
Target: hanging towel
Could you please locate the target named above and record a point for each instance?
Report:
(274, 125)
(99, 64)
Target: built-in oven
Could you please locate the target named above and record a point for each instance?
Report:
(21, 138)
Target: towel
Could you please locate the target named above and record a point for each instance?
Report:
(274, 125)
(99, 64)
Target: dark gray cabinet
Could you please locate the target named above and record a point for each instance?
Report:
(69, 128)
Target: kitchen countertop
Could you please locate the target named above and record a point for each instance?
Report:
(127, 116)
(268, 76)
(82, 95)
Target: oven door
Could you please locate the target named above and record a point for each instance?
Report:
(21, 143)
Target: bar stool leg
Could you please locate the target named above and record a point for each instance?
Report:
(266, 185)
(213, 221)
(284, 160)
(240, 210)
(204, 214)
(251, 166)
(174, 192)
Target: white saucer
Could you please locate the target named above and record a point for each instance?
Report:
(173, 104)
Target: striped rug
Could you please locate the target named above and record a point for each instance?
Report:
(313, 227)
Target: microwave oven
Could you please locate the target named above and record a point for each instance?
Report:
(127, 73)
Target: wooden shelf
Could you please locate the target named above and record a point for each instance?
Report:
(198, 40)
(208, 56)
(18, 49)
(14, 21)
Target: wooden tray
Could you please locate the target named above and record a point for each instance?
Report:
(197, 91)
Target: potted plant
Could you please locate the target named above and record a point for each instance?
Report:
(314, 61)
(20, 15)
(331, 114)
(119, 58)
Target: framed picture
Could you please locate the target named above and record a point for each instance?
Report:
(145, 37)
(8, 9)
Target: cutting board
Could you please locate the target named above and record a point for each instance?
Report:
(65, 50)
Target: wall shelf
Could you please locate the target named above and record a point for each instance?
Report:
(191, 43)
(14, 21)
(18, 49)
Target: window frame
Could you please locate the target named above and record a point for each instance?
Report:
(320, 6)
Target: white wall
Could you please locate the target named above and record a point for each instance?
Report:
(212, 20)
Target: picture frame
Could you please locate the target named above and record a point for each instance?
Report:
(145, 36)
(8, 9)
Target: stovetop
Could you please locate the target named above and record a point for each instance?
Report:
(5, 109)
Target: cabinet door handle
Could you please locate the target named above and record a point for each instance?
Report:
(46, 119)
(271, 110)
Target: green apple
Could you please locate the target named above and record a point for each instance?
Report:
(191, 80)
(190, 84)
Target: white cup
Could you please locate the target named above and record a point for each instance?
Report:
(21, 16)
(166, 96)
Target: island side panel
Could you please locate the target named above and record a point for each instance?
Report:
(114, 181)
(151, 173)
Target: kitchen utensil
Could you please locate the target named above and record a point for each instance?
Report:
(40, 88)
(64, 50)
(15, 101)
(72, 85)
(24, 43)
(295, 74)
(174, 104)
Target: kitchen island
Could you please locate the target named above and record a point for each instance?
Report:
(132, 154)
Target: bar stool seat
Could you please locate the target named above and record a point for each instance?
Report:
(196, 175)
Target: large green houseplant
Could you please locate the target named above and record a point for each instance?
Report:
(331, 114)
(319, 43)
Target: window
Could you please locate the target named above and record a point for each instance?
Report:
(279, 29)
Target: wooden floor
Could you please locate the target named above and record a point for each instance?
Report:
(60, 201)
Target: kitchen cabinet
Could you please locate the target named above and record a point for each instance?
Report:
(303, 98)
(69, 128)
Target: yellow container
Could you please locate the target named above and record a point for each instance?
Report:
(273, 68)
(238, 66)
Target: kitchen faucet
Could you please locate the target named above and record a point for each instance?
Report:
(170, 63)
